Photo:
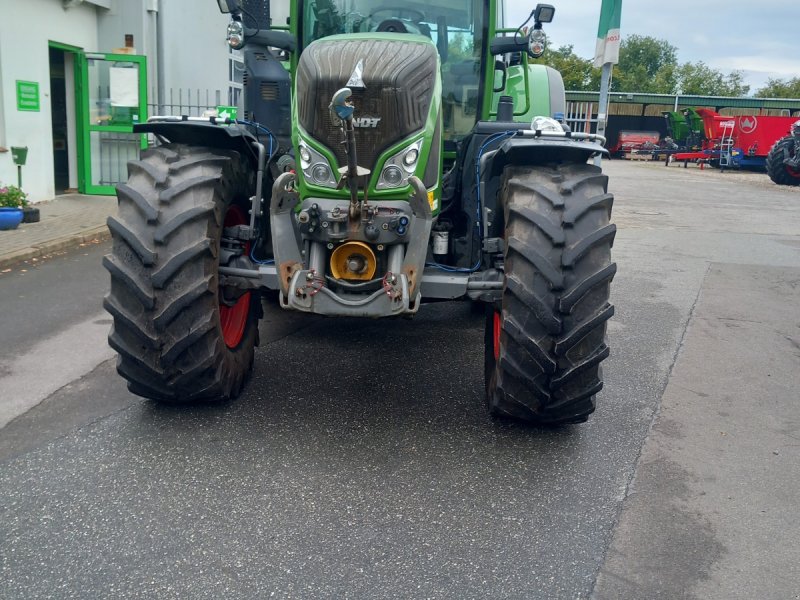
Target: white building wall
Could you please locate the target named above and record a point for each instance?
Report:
(140, 19)
(25, 30)
(194, 52)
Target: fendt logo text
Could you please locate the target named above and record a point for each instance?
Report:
(366, 122)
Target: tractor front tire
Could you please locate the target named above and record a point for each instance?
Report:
(180, 337)
(544, 343)
(777, 170)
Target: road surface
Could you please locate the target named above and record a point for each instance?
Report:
(359, 463)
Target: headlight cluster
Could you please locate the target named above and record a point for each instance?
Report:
(235, 35)
(315, 166)
(537, 43)
(399, 167)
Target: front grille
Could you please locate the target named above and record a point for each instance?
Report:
(399, 77)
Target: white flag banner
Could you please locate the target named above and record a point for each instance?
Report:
(608, 34)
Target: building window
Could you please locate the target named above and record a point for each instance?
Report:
(235, 78)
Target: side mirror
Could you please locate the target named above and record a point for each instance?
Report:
(229, 6)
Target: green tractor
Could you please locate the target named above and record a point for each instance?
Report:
(421, 158)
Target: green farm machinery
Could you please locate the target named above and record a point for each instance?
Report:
(390, 155)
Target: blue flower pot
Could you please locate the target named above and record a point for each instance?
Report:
(10, 218)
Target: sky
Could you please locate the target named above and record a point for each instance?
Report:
(758, 38)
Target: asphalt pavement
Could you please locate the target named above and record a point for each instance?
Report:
(359, 463)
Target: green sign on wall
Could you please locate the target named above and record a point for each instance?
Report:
(227, 112)
(28, 96)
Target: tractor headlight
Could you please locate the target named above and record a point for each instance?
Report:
(315, 166)
(410, 157)
(399, 167)
(537, 43)
(321, 173)
(235, 35)
(392, 176)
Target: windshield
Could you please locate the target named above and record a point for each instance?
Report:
(455, 26)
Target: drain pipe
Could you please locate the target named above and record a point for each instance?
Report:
(154, 8)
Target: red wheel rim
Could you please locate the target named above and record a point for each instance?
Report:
(233, 319)
(792, 172)
(498, 326)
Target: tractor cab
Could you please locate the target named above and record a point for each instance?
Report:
(458, 31)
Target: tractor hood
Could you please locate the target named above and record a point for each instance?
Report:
(392, 77)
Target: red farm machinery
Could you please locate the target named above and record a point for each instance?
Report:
(630, 143)
(742, 141)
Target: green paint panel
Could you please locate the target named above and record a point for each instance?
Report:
(529, 86)
(28, 96)
(539, 90)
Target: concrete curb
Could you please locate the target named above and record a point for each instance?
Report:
(60, 244)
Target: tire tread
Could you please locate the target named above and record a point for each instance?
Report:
(163, 267)
(556, 295)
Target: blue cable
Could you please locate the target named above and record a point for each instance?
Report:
(499, 136)
(257, 261)
(260, 127)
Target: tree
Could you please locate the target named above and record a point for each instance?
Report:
(780, 88)
(459, 48)
(646, 64)
(650, 65)
(578, 73)
(699, 79)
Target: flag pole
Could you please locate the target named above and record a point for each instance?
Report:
(602, 108)
(606, 55)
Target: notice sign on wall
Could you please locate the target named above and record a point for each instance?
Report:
(28, 96)
(124, 86)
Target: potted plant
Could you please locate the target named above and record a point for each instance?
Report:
(13, 201)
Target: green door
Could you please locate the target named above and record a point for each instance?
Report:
(113, 98)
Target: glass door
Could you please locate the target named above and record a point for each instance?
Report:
(114, 98)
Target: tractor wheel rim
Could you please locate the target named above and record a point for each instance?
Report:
(792, 172)
(233, 319)
(497, 327)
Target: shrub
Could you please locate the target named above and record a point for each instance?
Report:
(13, 197)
